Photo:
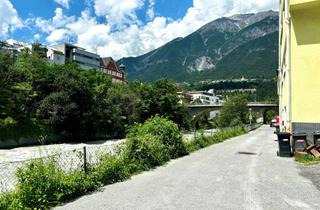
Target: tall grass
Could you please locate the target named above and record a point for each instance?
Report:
(220, 136)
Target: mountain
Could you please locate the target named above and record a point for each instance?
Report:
(226, 48)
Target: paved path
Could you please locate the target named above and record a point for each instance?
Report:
(217, 177)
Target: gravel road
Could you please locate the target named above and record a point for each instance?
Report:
(242, 173)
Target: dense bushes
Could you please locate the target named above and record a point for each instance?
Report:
(111, 169)
(145, 151)
(42, 184)
(154, 143)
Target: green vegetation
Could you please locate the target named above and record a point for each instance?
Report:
(42, 184)
(204, 141)
(234, 112)
(150, 144)
(270, 115)
(154, 143)
(307, 159)
(58, 102)
(111, 169)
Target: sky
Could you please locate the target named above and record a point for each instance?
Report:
(117, 28)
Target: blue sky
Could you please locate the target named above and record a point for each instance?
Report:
(117, 28)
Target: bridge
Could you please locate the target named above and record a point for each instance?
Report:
(260, 108)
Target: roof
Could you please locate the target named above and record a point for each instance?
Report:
(107, 60)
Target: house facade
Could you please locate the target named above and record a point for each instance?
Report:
(299, 66)
(110, 67)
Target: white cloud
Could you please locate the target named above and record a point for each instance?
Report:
(57, 21)
(9, 19)
(123, 35)
(36, 37)
(118, 12)
(60, 19)
(44, 25)
(150, 10)
(58, 35)
(82, 24)
(94, 38)
(64, 3)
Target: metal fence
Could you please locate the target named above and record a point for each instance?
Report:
(76, 159)
(73, 160)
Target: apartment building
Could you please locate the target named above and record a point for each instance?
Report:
(200, 97)
(299, 62)
(55, 57)
(73, 53)
(205, 97)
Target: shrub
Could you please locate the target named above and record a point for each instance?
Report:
(111, 169)
(10, 201)
(49, 185)
(153, 143)
(145, 151)
(236, 122)
(167, 132)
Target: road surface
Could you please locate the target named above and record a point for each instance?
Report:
(218, 177)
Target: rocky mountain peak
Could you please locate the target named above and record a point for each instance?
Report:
(243, 44)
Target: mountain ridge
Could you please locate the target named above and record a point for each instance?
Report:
(200, 54)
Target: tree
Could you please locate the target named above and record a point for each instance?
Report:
(233, 112)
(161, 99)
(270, 115)
(59, 112)
(70, 89)
(5, 84)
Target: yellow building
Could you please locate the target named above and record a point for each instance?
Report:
(299, 66)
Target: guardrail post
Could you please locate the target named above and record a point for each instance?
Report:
(85, 169)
